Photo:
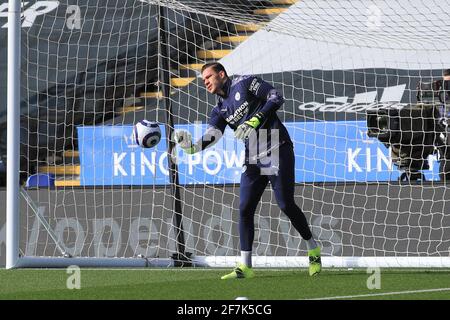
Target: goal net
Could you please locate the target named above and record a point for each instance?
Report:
(365, 105)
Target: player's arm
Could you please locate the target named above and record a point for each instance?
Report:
(266, 92)
(273, 100)
(216, 127)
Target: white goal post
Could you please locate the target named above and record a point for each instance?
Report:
(12, 202)
(365, 105)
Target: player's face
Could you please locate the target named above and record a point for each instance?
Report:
(213, 80)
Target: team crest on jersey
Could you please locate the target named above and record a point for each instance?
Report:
(237, 96)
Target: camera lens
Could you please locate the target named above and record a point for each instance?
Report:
(444, 95)
(382, 122)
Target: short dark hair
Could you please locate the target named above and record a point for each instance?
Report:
(446, 72)
(216, 66)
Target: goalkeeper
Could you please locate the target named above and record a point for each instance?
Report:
(248, 104)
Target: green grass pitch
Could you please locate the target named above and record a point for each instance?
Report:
(205, 284)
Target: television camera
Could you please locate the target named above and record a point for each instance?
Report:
(415, 131)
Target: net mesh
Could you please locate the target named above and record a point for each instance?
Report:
(92, 69)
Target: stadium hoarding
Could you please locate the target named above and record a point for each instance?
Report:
(326, 151)
(85, 77)
(385, 220)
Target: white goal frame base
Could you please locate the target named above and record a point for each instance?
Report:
(231, 261)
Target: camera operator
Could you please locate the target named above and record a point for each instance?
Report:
(444, 148)
(416, 131)
(444, 97)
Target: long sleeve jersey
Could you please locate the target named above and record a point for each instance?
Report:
(244, 97)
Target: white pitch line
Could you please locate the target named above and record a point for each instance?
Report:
(382, 294)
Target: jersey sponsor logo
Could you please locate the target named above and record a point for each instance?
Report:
(254, 86)
(362, 102)
(237, 96)
(238, 114)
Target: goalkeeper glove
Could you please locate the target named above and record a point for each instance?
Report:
(244, 130)
(184, 140)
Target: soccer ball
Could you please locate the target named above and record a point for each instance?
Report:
(146, 134)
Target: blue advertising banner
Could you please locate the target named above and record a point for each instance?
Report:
(325, 152)
(108, 156)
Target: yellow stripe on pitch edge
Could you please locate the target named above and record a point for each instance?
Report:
(232, 38)
(71, 153)
(150, 94)
(247, 27)
(60, 170)
(212, 54)
(192, 66)
(67, 183)
(181, 82)
(285, 2)
(269, 11)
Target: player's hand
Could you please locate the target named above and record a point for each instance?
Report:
(184, 139)
(244, 130)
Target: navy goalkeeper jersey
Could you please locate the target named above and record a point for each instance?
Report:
(244, 97)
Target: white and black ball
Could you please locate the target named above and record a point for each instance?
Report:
(146, 134)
